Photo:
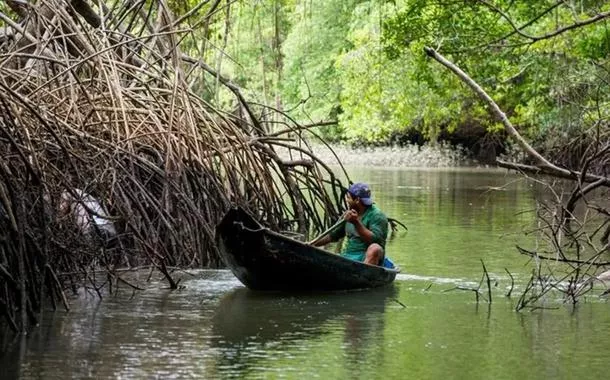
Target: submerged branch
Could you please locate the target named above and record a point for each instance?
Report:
(561, 259)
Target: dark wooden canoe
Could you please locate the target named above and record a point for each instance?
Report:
(265, 260)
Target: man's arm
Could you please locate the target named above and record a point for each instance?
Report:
(377, 231)
(323, 241)
(335, 234)
(365, 234)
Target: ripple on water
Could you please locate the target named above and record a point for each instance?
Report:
(435, 280)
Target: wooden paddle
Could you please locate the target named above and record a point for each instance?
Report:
(327, 231)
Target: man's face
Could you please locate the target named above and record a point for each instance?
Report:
(351, 201)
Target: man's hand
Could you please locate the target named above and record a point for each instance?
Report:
(351, 216)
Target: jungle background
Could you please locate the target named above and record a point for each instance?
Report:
(360, 64)
(167, 113)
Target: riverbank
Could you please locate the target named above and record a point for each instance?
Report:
(426, 156)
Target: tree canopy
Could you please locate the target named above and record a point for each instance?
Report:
(361, 64)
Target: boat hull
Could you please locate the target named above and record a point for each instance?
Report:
(264, 260)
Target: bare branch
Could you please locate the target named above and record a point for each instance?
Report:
(563, 260)
(542, 162)
(83, 9)
(18, 6)
(519, 30)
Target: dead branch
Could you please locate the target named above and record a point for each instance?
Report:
(560, 259)
(519, 30)
(542, 163)
(565, 229)
(512, 283)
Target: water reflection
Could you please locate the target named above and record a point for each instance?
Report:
(12, 351)
(249, 322)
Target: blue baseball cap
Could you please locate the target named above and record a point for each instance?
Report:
(362, 191)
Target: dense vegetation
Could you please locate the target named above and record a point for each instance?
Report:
(170, 115)
(361, 64)
(536, 72)
(109, 157)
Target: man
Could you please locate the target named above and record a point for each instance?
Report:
(366, 227)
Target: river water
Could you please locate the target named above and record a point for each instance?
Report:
(421, 328)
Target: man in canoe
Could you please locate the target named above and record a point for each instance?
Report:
(365, 227)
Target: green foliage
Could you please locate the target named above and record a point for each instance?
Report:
(543, 86)
(362, 63)
(312, 49)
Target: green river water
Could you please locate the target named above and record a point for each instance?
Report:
(417, 329)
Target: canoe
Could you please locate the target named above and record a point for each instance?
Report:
(266, 260)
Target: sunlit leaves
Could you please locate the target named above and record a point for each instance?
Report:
(542, 84)
(361, 62)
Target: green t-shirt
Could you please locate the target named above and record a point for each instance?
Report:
(372, 219)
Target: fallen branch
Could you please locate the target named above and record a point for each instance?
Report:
(475, 290)
(512, 283)
(495, 110)
(135, 287)
(560, 259)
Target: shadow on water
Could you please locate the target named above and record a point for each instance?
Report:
(67, 337)
(247, 323)
(12, 351)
